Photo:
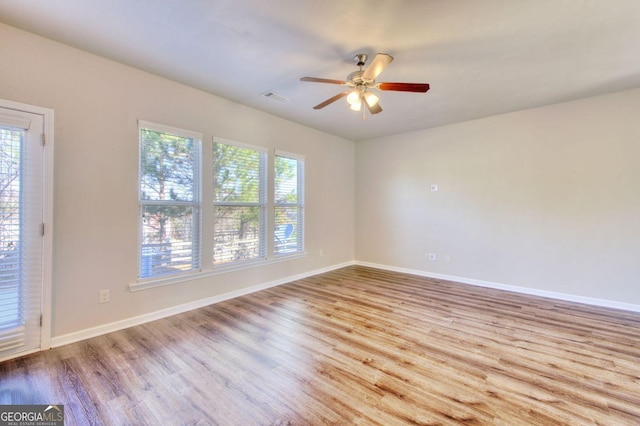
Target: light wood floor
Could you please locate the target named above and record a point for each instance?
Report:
(353, 346)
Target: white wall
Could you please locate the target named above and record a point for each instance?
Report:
(97, 103)
(547, 199)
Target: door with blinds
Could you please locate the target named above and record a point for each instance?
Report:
(21, 231)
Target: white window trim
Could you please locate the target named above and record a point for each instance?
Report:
(264, 195)
(196, 203)
(47, 214)
(299, 204)
(213, 270)
(218, 270)
(288, 155)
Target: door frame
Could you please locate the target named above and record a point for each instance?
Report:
(47, 218)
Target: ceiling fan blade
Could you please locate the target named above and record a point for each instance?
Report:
(322, 80)
(404, 87)
(332, 100)
(374, 109)
(377, 66)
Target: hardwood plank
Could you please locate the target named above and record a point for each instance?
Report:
(352, 346)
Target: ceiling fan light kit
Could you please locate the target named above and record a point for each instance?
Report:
(371, 98)
(353, 97)
(361, 83)
(357, 95)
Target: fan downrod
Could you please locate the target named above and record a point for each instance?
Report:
(361, 59)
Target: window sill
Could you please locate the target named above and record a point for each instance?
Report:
(146, 283)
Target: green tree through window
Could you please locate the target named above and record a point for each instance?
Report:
(239, 203)
(169, 201)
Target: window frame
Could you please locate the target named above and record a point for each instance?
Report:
(195, 203)
(298, 205)
(48, 140)
(262, 204)
(206, 211)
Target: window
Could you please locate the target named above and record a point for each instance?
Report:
(249, 218)
(169, 200)
(239, 200)
(26, 186)
(288, 204)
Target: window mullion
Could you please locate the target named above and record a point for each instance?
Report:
(226, 203)
(169, 203)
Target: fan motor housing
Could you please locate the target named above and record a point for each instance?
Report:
(355, 79)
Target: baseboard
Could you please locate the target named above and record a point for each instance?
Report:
(178, 309)
(174, 310)
(516, 289)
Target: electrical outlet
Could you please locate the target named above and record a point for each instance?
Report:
(104, 296)
(434, 187)
(432, 256)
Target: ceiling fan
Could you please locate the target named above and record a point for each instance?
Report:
(361, 83)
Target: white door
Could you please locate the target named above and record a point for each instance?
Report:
(21, 231)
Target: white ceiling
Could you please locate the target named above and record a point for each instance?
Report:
(481, 58)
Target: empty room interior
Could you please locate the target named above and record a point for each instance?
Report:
(321, 212)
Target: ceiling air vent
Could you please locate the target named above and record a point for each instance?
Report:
(270, 94)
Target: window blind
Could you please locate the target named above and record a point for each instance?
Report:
(288, 204)
(239, 199)
(169, 192)
(21, 175)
